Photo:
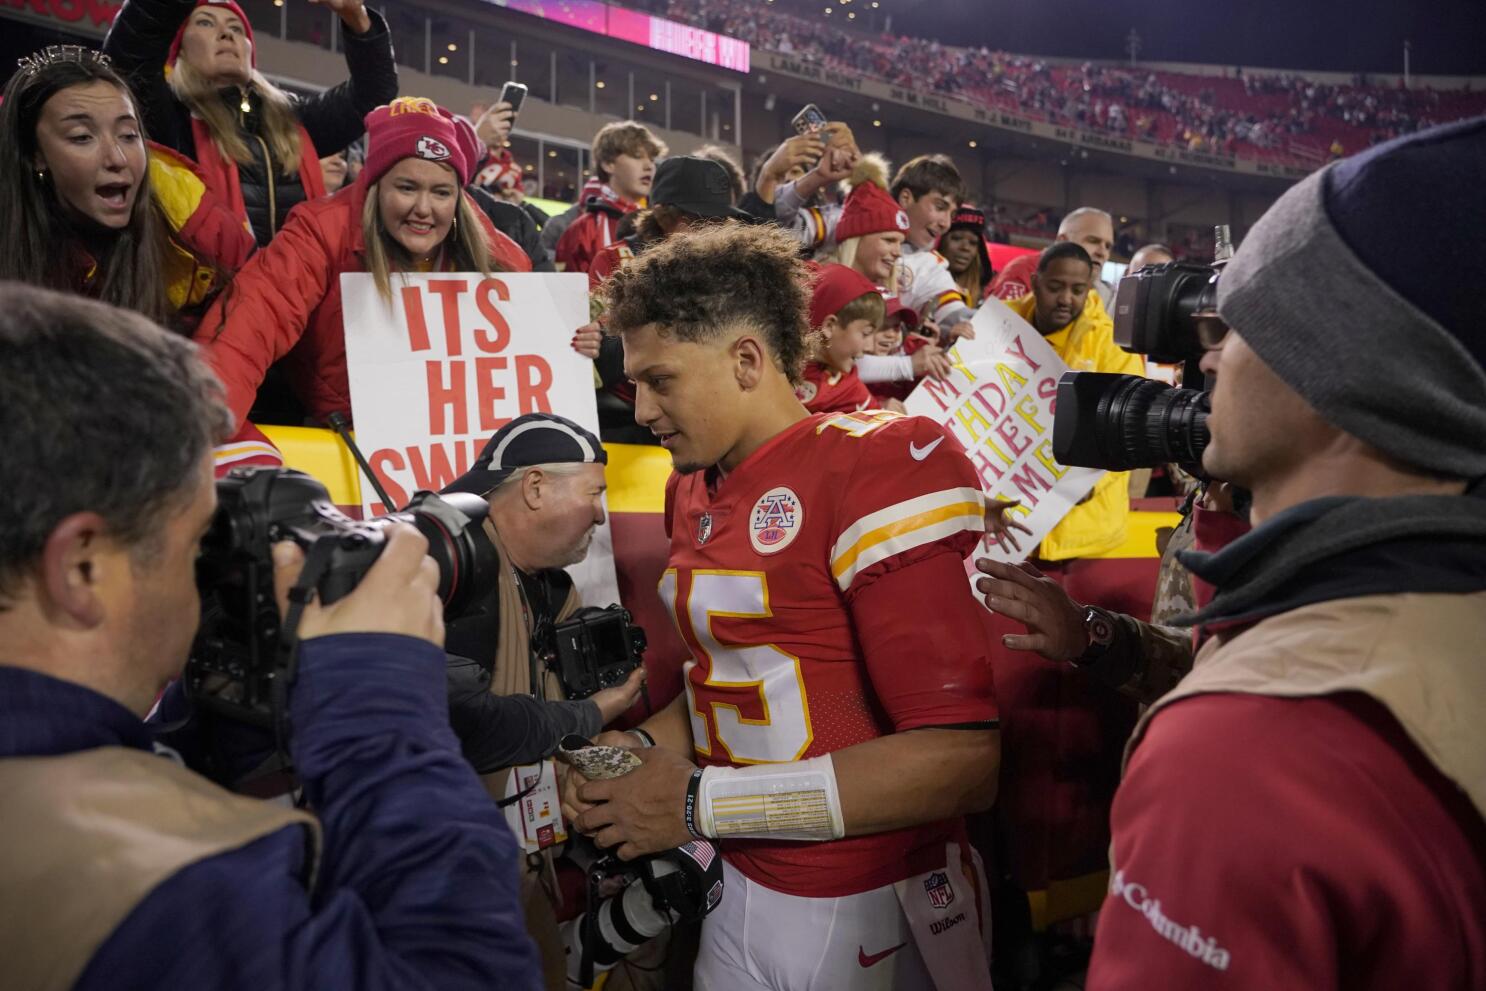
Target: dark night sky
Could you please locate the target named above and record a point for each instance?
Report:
(1449, 36)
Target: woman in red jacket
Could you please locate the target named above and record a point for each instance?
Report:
(406, 212)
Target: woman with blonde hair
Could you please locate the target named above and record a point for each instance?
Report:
(872, 226)
(193, 67)
(406, 212)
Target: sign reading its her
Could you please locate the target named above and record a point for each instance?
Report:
(998, 401)
(454, 358)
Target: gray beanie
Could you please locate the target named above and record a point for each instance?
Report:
(1344, 288)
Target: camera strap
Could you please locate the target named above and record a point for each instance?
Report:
(316, 563)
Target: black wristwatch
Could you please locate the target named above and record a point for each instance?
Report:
(1099, 625)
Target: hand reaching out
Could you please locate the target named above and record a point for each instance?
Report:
(930, 360)
(1000, 523)
(1054, 622)
(614, 702)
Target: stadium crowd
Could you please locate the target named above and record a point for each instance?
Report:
(1273, 772)
(1283, 117)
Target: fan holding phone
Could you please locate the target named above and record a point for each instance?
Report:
(493, 124)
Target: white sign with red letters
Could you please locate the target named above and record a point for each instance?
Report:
(452, 359)
(998, 402)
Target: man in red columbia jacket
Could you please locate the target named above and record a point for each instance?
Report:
(1305, 810)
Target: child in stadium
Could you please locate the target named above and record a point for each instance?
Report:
(898, 339)
(624, 155)
(871, 230)
(845, 312)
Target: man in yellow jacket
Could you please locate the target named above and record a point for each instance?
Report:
(1070, 317)
(1062, 737)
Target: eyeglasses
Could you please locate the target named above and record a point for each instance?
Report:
(1211, 332)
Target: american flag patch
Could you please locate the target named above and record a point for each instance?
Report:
(702, 853)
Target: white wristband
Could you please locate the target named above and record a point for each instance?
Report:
(793, 801)
(875, 368)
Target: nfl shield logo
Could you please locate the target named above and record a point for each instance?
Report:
(936, 886)
(704, 528)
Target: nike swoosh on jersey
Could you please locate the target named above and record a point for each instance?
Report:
(867, 960)
(919, 453)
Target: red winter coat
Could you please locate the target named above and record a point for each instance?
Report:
(286, 304)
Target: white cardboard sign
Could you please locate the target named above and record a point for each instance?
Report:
(454, 358)
(998, 402)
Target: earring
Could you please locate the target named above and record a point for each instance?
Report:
(41, 175)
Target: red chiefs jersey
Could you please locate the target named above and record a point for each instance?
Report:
(1015, 280)
(825, 391)
(763, 569)
(608, 261)
(248, 448)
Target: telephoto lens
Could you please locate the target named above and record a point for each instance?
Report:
(1120, 422)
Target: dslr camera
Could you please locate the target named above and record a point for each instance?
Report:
(593, 649)
(242, 661)
(1119, 422)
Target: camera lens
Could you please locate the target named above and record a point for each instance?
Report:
(453, 525)
(1145, 423)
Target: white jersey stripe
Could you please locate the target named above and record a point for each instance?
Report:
(907, 509)
(230, 453)
(904, 526)
(908, 541)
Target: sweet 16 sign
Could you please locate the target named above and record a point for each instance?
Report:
(998, 401)
(453, 359)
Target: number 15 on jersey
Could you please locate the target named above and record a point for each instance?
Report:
(751, 707)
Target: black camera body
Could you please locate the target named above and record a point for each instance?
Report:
(1157, 310)
(593, 649)
(239, 663)
(1119, 422)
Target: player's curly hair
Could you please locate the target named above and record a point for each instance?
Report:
(696, 284)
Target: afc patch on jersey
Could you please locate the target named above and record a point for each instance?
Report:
(937, 887)
(775, 520)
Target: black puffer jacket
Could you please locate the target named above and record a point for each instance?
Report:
(138, 43)
(516, 224)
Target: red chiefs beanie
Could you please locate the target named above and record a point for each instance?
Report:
(415, 127)
(228, 5)
(896, 310)
(834, 287)
(869, 210)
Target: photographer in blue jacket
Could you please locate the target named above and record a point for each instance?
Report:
(122, 869)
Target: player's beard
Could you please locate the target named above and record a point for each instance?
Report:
(682, 466)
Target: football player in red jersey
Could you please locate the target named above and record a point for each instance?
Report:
(838, 719)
